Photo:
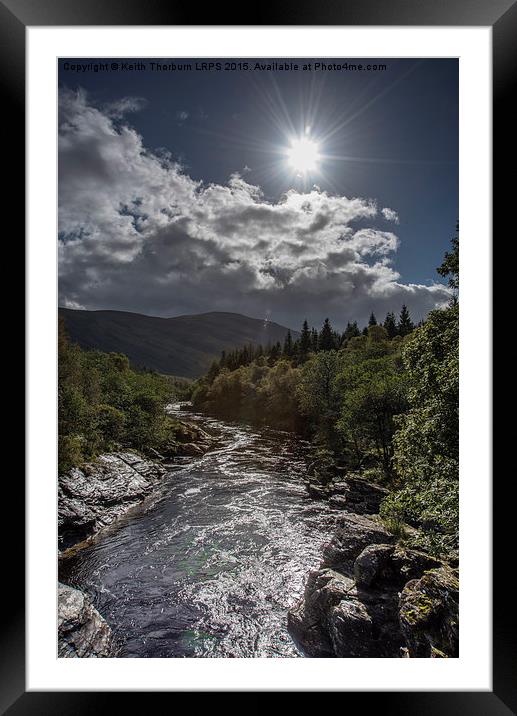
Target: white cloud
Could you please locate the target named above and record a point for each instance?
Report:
(390, 215)
(140, 234)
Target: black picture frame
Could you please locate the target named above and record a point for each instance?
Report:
(501, 15)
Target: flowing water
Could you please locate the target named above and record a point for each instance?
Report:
(209, 566)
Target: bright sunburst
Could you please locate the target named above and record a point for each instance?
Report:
(303, 155)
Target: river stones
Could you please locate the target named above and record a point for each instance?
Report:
(93, 496)
(82, 631)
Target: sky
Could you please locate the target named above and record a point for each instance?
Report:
(278, 193)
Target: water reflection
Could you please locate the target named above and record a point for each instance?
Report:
(210, 565)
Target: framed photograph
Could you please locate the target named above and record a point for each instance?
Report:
(259, 404)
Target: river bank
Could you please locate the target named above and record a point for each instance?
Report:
(224, 558)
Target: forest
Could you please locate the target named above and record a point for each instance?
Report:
(381, 401)
(104, 405)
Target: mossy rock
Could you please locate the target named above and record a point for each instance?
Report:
(429, 614)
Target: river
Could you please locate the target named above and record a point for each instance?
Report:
(209, 566)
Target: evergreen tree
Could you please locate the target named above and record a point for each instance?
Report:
(326, 338)
(351, 330)
(364, 332)
(213, 372)
(314, 340)
(305, 339)
(288, 344)
(372, 321)
(390, 325)
(405, 323)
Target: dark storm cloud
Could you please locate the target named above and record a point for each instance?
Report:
(137, 233)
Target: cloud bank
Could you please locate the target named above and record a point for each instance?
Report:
(136, 233)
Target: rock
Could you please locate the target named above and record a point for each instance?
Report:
(93, 496)
(308, 620)
(354, 533)
(357, 495)
(390, 567)
(371, 562)
(191, 449)
(316, 491)
(82, 632)
(429, 614)
(336, 619)
(338, 502)
(365, 624)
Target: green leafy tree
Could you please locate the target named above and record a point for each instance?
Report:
(426, 442)
(450, 267)
(373, 392)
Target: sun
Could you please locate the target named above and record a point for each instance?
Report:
(303, 155)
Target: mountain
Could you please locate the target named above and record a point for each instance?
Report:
(182, 346)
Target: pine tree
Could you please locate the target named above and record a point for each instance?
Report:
(351, 330)
(326, 337)
(213, 372)
(390, 325)
(314, 340)
(372, 321)
(288, 344)
(405, 325)
(305, 339)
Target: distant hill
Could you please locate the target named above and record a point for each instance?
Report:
(183, 345)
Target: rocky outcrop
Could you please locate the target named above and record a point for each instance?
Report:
(429, 614)
(91, 497)
(190, 441)
(352, 493)
(339, 616)
(82, 632)
(352, 605)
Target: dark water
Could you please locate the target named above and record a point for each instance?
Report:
(210, 565)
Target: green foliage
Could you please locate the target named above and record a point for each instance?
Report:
(104, 405)
(426, 443)
(450, 267)
(373, 392)
(257, 392)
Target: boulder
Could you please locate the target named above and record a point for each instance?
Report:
(354, 533)
(316, 490)
(390, 567)
(365, 624)
(357, 495)
(371, 563)
(429, 614)
(337, 619)
(82, 632)
(308, 620)
(96, 494)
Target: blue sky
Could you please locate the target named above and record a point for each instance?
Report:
(387, 137)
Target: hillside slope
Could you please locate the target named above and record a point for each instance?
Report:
(182, 345)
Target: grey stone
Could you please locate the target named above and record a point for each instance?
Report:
(91, 497)
(82, 631)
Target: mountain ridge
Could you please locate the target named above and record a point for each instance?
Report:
(182, 345)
